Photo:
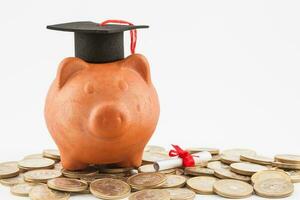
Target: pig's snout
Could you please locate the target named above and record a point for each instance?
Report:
(108, 121)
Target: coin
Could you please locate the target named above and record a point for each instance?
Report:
(269, 174)
(10, 164)
(295, 175)
(51, 153)
(262, 160)
(7, 170)
(202, 184)
(227, 174)
(181, 194)
(150, 168)
(146, 180)
(108, 188)
(213, 151)
(114, 169)
(58, 166)
(274, 188)
(232, 188)
(41, 175)
(198, 171)
(247, 169)
(216, 157)
(36, 163)
(12, 181)
(42, 192)
(154, 156)
(33, 156)
(21, 189)
(230, 156)
(67, 185)
(173, 181)
(288, 158)
(286, 165)
(89, 171)
(150, 194)
(154, 148)
(217, 165)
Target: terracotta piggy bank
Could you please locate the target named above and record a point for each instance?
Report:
(102, 113)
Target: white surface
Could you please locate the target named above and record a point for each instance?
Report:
(227, 72)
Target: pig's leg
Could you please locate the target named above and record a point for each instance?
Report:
(133, 161)
(72, 164)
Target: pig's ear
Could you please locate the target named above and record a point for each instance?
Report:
(139, 64)
(67, 68)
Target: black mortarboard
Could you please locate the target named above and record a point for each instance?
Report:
(95, 43)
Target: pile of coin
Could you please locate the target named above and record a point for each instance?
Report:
(232, 173)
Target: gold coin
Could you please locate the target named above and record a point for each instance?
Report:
(67, 185)
(42, 192)
(108, 188)
(217, 165)
(114, 169)
(269, 174)
(232, 188)
(21, 189)
(181, 194)
(12, 181)
(89, 171)
(227, 174)
(146, 180)
(274, 188)
(286, 165)
(262, 160)
(52, 154)
(288, 158)
(173, 181)
(198, 171)
(202, 184)
(150, 168)
(213, 151)
(154, 156)
(154, 148)
(36, 163)
(7, 170)
(247, 169)
(150, 194)
(233, 155)
(41, 175)
(294, 174)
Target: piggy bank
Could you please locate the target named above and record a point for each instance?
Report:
(102, 113)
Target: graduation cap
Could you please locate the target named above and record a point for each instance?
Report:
(95, 43)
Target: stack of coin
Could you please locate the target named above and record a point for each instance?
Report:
(229, 177)
(287, 161)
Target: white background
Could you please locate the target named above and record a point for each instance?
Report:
(227, 72)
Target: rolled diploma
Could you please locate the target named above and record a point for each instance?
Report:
(200, 157)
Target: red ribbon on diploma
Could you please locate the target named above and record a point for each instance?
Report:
(187, 158)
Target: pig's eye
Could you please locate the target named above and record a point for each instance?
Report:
(123, 85)
(89, 88)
